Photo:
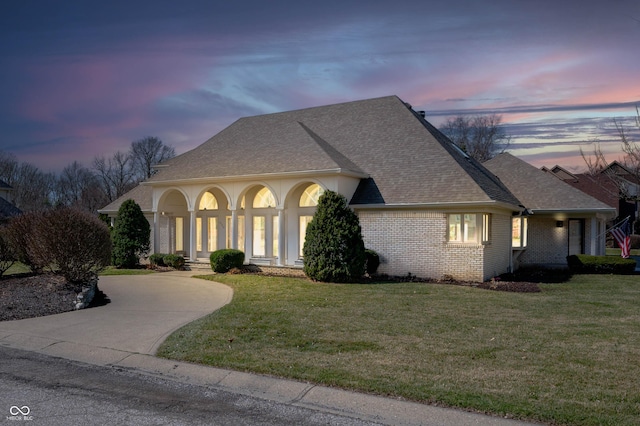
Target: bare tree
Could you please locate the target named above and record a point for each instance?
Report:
(77, 186)
(481, 136)
(115, 175)
(146, 153)
(32, 188)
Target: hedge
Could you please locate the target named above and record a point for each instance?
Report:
(224, 260)
(587, 264)
(174, 261)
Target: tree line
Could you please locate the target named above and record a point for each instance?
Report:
(88, 188)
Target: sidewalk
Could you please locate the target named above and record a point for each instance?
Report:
(145, 309)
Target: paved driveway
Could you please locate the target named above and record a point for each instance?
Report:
(144, 310)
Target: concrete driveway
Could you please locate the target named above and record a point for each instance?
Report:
(144, 310)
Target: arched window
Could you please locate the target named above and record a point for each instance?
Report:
(264, 199)
(208, 202)
(309, 197)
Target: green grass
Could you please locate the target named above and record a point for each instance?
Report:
(567, 355)
(115, 271)
(17, 268)
(616, 252)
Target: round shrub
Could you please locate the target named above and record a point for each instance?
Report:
(157, 259)
(224, 260)
(333, 249)
(372, 261)
(7, 257)
(174, 261)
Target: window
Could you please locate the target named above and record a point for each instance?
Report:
(463, 228)
(198, 234)
(486, 228)
(241, 233)
(276, 235)
(309, 197)
(304, 222)
(208, 202)
(264, 199)
(179, 234)
(519, 232)
(259, 236)
(212, 234)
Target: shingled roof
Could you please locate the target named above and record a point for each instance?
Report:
(539, 190)
(141, 194)
(400, 157)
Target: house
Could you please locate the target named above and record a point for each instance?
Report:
(7, 209)
(425, 206)
(562, 220)
(615, 185)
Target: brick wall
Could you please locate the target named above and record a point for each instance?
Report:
(547, 244)
(416, 242)
(497, 253)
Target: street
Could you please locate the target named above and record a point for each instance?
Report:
(43, 390)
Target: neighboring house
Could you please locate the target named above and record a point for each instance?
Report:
(561, 219)
(615, 186)
(7, 209)
(425, 206)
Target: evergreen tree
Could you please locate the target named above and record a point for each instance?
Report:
(333, 249)
(131, 235)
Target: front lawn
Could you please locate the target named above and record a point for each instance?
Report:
(567, 355)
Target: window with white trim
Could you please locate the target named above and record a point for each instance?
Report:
(519, 232)
(469, 228)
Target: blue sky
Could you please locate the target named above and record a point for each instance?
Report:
(85, 78)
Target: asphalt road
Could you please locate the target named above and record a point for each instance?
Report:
(42, 390)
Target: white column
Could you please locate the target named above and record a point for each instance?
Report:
(281, 239)
(156, 231)
(593, 237)
(234, 229)
(192, 237)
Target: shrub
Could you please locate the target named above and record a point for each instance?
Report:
(78, 243)
(157, 259)
(333, 249)
(174, 261)
(131, 235)
(20, 235)
(223, 260)
(66, 241)
(7, 258)
(587, 264)
(372, 261)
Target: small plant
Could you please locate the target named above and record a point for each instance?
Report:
(224, 260)
(372, 261)
(173, 261)
(157, 259)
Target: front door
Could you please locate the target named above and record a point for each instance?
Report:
(576, 236)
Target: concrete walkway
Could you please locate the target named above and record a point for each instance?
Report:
(145, 309)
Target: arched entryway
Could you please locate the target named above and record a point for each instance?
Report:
(301, 206)
(212, 227)
(172, 235)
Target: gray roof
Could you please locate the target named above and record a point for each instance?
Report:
(141, 194)
(5, 185)
(7, 209)
(539, 190)
(400, 157)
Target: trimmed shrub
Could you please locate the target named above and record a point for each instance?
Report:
(131, 236)
(174, 261)
(333, 249)
(587, 264)
(372, 261)
(66, 241)
(157, 259)
(224, 260)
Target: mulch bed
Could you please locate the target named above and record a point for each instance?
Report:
(35, 296)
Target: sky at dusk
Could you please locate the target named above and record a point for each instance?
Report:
(85, 78)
